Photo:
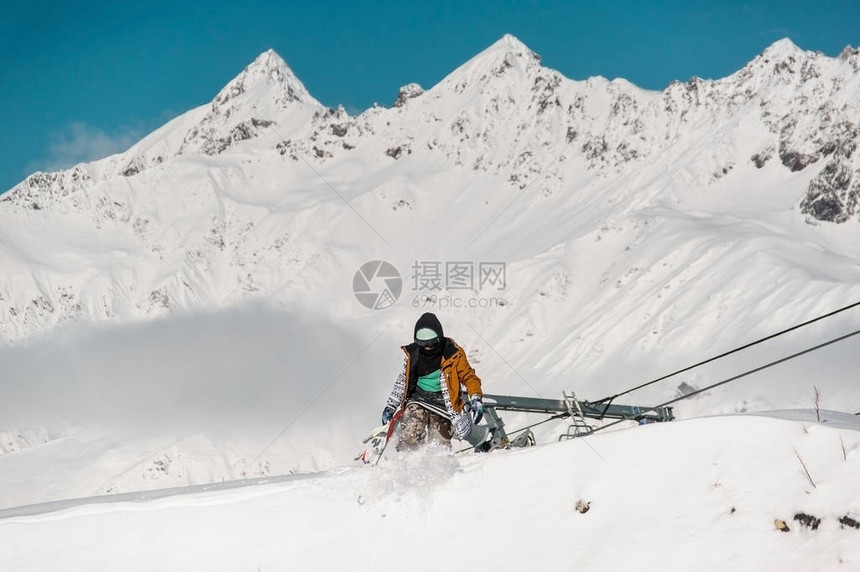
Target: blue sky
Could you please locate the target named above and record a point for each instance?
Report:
(83, 79)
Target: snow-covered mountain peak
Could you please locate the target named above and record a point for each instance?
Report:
(848, 53)
(265, 93)
(507, 49)
(784, 63)
(268, 71)
(507, 57)
(781, 49)
(510, 43)
(781, 63)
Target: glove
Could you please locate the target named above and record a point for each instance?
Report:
(477, 409)
(387, 414)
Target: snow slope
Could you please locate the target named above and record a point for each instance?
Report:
(702, 494)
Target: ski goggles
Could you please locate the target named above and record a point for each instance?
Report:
(427, 343)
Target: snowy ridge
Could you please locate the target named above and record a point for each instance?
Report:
(501, 121)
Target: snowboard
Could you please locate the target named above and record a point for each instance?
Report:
(378, 441)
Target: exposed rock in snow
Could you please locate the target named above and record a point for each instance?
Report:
(408, 92)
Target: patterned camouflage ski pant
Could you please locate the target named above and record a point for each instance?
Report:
(419, 424)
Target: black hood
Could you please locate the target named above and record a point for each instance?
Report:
(427, 360)
(429, 320)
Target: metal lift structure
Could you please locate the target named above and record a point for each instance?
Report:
(491, 433)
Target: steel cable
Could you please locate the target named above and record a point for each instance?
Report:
(734, 378)
(728, 353)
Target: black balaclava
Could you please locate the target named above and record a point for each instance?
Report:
(429, 360)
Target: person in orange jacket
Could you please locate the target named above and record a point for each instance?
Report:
(438, 390)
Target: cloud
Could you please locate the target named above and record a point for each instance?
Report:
(219, 395)
(81, 143)
(229, 372)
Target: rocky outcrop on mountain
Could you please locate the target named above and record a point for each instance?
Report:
(834, 193)
(41, 189)
(814, 113)
(407, 92)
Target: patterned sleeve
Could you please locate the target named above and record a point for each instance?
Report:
(396, 397)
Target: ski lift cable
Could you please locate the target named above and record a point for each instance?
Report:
(733, 378)
(728, 353)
